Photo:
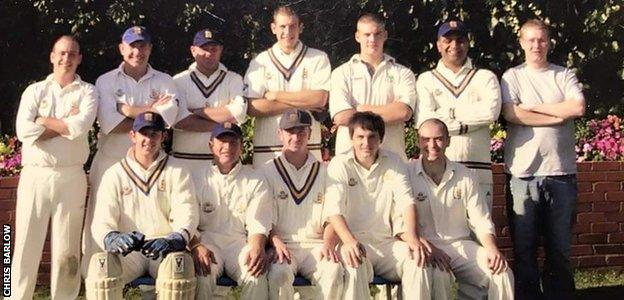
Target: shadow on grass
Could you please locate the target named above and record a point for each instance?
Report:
(605, 292)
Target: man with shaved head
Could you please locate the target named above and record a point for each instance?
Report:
(53, 122)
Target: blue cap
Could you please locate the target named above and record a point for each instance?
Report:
(148, 119)
(136, 33)
(295, 118)
(227, 128)
(453, 27)
(206, 36)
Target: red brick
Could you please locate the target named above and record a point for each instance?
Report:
(7, 194)
(9, 182)
(591, 176)
(592, 238)
(498, 169)
(499, 179)
(591, 197)
(499, 200)
(617, 237)
(7, 204)
(621, 227)
(615, 216)
(615, 176)
(606, 227)
(581, 228)
(580, 250)
(504, 242)
(498, 189)
(590, 217)
(615, 260)
(584, 187)
(592, 261)
(606, 206)
(615, 196)
(606, 186)
(574, 262)
(583, 207)
(609, 249)
(606, 166)
(583, 166)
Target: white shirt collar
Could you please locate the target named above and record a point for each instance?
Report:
(279, 53)
(137, 167)
(446, 72)
(150, 72)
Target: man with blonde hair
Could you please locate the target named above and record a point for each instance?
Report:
(540, 102)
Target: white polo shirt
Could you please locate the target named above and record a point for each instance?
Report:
(48, 99)
(467, 102)
(196, 90)
(298, 199)
(155, 202)
(447, 211)
(273, 70)
(352, 85)
(372, 201)
(117, 87)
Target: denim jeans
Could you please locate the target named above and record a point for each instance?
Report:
(542, 205)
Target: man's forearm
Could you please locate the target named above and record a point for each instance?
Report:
(306, 99)
(217, 114)
(392, 113)
(330, 236)
(411, 224)
(514, 114)
(195, 123)
(341, 228)
(257, 241)
(261, 107)
(569, 109)
(342, 118)
(488, 241)
(53, 124)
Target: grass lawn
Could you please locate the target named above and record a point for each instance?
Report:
(591, 284)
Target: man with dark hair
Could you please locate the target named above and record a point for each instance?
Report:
(372, 81)
(540, 102)
(53, 122)
(466, 98)
(450, 206)
(369, 203)
(287, 75)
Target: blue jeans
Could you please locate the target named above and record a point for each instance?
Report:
(542, 205)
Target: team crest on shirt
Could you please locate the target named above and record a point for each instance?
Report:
(268, 76)
(119, 93)
(421, 196)
(388, 176)
(207, 207)
(126, 190)
(352, 181)
(282, 195)
(437, 92)
(319, 198)
(457, 193)
(43, 104)
(162, 186)
(154, 94)
(390, 78)
(241, 207)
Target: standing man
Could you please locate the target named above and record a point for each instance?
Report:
(287, 75)
(132, 88)
(53, 122)
(540, 102)
(370, 205)
(209, 93)
(467, 99)
(235, 219)
(297, 181)
(449, 206)
(146, 215)
(372, 81)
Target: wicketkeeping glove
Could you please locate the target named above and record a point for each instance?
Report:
(123, 243)
(162, 246)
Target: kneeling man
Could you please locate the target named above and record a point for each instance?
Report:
(297, 181)
(235, 219)
(449, 206)
(146, 215)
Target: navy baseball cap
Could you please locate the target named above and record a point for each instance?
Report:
(295, 118)
(136, 33)
(207, 36)
(227, 128)
(453, 27)
(148, 119)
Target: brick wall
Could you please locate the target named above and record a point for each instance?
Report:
(598, 239)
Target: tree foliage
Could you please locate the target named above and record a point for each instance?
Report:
(586, 35)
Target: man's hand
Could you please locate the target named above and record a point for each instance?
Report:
(203, 257)
(256, 261)
(329, 252)
(418, 251)
(496, 261)
(161, 100)
(123, 243)
(437, 258)
(270, 96)
(281, 251)
(354, 253)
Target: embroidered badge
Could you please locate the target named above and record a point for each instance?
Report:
(227, 125)
(179, 264)
(453, 24)
(155, 94)
(292, 117)
(437, 92)
(208, 34)
(119, 93)
(208, 207)
(43, 104)
(319, 198)
(137, 30)
(268, 76)
(126, 190)
(457, 194)
(149, 117)
(352, 181)
(388, 176)
(241, 207)
(162, 186)
(390, 78)
(421, 196)
(282, 195)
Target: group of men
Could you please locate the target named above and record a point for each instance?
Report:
(192, 215)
